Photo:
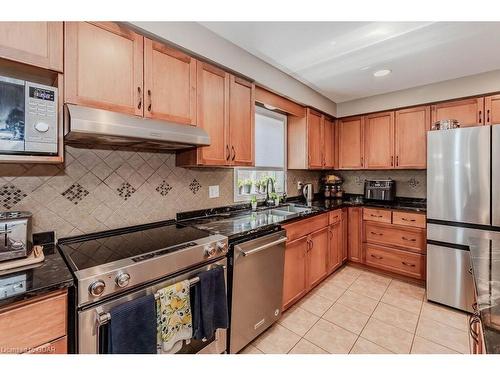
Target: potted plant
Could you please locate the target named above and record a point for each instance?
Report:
(257, 186)
(263, 184)
(253, 201)
(240, 187)
(247, 185)
(275, 197)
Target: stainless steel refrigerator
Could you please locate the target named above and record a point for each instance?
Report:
(463, 201)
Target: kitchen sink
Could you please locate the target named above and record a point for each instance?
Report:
(277, 212)
(292, 209)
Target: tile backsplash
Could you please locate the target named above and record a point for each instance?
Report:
(99, 189)
(409, 183)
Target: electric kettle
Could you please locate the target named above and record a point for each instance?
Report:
(307, 191)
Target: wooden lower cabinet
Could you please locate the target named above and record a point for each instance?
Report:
(59, 346)
(295, 278)
(35, 323)
(335, 246)
(354, 234)
(317, 257)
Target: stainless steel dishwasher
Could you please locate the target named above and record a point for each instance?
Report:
(257, 291)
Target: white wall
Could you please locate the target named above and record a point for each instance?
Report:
(456, 88)
(203, 42)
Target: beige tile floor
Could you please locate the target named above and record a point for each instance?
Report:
(360, 312)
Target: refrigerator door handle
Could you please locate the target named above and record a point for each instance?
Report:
(495, 174)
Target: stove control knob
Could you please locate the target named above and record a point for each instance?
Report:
(221, 247)
(122, 280)
(97, 288)
(209, 250)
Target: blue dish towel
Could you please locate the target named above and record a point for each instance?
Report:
(132, 329)
(209, 304)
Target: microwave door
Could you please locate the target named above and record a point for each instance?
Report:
(458, 175)
(12, 114)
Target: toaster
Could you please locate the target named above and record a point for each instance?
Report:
(15, 235)
(381, 190)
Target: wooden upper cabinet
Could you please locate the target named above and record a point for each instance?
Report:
(315, 139)
(468, 112)
(329, 143)
(213, 113)
(169, 84)
(103, 67)
(411, 126)
(317, 257)
(241, 121)
(492, 110)
(379, 141)
(351, 142)
(34, 43)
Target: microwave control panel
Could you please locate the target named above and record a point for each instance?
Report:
(41, 104)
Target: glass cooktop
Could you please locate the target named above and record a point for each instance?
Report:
(106, 247)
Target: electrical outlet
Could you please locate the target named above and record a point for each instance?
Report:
(300, 185)
(213, 191)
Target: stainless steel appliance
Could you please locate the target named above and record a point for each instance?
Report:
(85, 125)
(116, 266)
(308, 193)
(257, 287)
(28, 117)
(381, 190)
(16, 236)
(463, 181)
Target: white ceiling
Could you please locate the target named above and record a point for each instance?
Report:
(338, 59)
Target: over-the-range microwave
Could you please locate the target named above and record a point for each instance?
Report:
(28, 117)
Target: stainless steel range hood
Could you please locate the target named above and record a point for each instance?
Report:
(85, 125)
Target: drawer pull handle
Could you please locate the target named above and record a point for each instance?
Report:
(408, 264)
(377, 234)
(405, 219)
(409, 239)
(379, 216)
(376, 257)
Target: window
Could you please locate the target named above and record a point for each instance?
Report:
(270, 158)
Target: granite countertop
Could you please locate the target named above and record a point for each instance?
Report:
(485, 258)
(239, 221)
(52, 274)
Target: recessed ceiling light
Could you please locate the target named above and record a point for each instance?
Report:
(381, 73)
(333, 42)
(268, 106)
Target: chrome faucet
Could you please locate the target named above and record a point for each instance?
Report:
(269, 201)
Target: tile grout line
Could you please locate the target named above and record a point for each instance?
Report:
(418, 322)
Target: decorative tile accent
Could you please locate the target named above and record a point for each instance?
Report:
(194, 186)
(75, 193)
(126, 190)
(163, 188)
(10, 195)
(413, 183)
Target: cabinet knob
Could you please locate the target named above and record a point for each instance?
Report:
(139, 94)
(150, 101)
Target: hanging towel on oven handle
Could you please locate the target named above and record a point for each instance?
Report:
(209, 304)
(173, 311)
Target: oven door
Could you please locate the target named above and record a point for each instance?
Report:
(92, 335)
(12, 114)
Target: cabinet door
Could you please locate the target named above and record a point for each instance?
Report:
(213, 113)
(317, 257)
(492, 109)
(379, 141)
(335, 246)
(34, 43)
(354, 238)
(315, 140)
(241, 121)
(103, 67)
(469, 112)
(411, 126)
(329, 143)
(169, 84)
(344, 234)
(294, 281)
(351, 143)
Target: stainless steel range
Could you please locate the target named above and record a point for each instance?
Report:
(117, 266)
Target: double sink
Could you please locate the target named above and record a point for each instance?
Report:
(288, 211)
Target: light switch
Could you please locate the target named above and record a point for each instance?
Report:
(213, 191)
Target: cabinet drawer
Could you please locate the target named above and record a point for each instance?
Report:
(398, 261)
(59, 346)
(30, 324)
(409, 219)
(304, 227)
(372, 214)
(335, 216)
(392, 235)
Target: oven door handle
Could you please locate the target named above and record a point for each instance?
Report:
(260, 248)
